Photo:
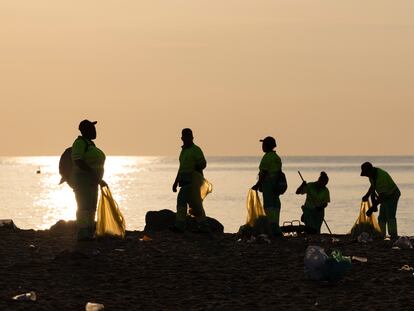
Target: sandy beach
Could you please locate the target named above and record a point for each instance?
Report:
(195, 272)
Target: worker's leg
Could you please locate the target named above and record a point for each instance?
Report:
(318, 220)
(390, 205)
(86, 199)
(271, 204)
(182, 202)
(382, 219)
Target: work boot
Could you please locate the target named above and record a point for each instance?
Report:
(392, 228)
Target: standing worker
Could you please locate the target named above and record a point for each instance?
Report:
(317, 199)
(87, 173)
(383, 192)
(270, 169)
(189, 179)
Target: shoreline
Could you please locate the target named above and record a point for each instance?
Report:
(196, 272)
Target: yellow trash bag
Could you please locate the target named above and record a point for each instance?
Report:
(254, 208)
(206, 188)
(256, 222)
(364, 223)
(110, 220)
(200, 188)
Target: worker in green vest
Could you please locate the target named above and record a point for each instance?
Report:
(384, 192)
(88, 169)
(317, 199)
(269, 170)
(189, 179)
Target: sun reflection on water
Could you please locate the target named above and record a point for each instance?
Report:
(57, 202)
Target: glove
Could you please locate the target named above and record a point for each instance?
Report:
(369, 211)
(255, 187)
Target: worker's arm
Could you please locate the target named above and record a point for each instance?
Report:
(201, 165)
(262, 176)
(322, 206)
(85, 167)
(176, 181)
(370, 192)
(302, 188)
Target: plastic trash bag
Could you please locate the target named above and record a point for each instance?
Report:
(201, 187)
(205, 188)
(336, 266)
(256, 222)
(254, 208)
(110, 220)
(364, 223)
(364, 237)
(403, 242)
(315, 258)
(318, 266)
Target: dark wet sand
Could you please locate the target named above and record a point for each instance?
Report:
(195, 272)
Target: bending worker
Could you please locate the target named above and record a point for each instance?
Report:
(269, 170)
(87, 173)
(189, 179)
(383, 192)
(317, 199)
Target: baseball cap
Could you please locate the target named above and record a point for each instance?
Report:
(366, 167)
(86, 124)
(269, 140)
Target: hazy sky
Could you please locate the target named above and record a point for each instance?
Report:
(323, 77)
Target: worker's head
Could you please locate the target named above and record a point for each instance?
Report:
(187, 136)
(367, 169)
(323, 179)
(268, 144)
(87, 129)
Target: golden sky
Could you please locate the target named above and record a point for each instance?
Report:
(323, 77)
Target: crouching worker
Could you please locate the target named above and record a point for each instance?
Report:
(189, 179)
(317, 199)
(88, 169)
(383, 192)
(269, 170)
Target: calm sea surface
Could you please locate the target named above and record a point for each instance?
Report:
(141, 184)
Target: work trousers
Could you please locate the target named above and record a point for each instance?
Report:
(387, 213)
(86, 194)
(271, 204)
(189, 196)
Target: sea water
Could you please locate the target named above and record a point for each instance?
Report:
(31, 196)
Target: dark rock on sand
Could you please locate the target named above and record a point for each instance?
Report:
(164, 219)
(7, 224)
(63, 226)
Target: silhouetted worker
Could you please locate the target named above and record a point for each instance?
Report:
(317, 199)
(189, 179)
(87, 173)
(383, 192)
(269, 170)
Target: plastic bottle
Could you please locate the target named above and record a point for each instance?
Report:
(26, 297)
(92, 306)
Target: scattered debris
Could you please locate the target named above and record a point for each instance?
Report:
(360, 259)
(92, 306)
(145, 238)
(406, 268)
(30, 296)
(364, 237)
(403, 242)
